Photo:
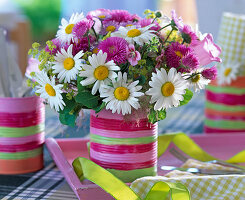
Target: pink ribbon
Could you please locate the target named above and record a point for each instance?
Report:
(124, 134)
(23, 147)
(22, 140)
(22, 119)
(220, 117)
(120, 125)
(216, 130)
(123, 149)
(228, 99)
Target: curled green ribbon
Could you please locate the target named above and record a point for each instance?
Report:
(85, 168)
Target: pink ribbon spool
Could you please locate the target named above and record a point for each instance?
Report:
(123, 145)
(21, 113)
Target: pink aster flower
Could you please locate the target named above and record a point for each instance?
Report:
(82, 44)
(99, 13)
(189, 31)
(178, 21)
(82, 27)
(133, 56)
(159, 59)
(210, 73)
(122, 16)
(115, 47)
(181, 57)
(109, 26)
(129, 23)
(57, 43)
(206, 50)
(147, 22)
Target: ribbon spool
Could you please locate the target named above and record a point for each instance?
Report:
(128, 149)
(225, 104)
(21, 135)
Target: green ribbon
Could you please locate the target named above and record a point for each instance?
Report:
(111, 141)
(85, 168)
(226, 124)
(21, 132)
(222, 107)
(21, 155)
(226, 90)
(189, 147)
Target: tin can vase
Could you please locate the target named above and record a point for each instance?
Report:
(225, 107)
(126, 148)
(21, 135)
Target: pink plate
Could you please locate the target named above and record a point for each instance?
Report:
(64, 151)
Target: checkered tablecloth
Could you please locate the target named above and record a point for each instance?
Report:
(49, 183)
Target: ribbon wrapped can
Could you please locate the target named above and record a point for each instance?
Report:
(126, 148)
(225, 105)
(21, 134)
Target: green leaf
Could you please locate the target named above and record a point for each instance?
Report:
(87, 99)
(186, 38)
(100, 107)
(187, 97)
(141, 79)
(70, 105)
(68, 119)
(156, 115)
(161, 114)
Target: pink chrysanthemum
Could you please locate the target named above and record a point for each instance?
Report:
(210, 73)
(82, 44)
(178, 21)
(57, 43)
(82, 27)
(181, 57)
(109, 26)
(99, 13)
(122, 16)
(147, 22)
(115, 47)
(129, 23)
(189, 31)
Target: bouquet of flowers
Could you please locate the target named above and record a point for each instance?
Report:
(118, 61)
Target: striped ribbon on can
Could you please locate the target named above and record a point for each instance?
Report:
(128, 149)
(225, 107)
(21, 134)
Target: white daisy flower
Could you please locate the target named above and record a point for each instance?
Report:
(121, 96)
(64, 33)
(133, 34)
(49, 91)
(227, 73)
(166, 89)
(197, 81)
(99, 71)
(67, 65)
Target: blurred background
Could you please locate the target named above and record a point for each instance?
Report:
(38, 20)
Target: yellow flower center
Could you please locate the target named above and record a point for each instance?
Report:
(95, 50)
(179, 54)
(101, 72)
(112, 49)
(110, 28)
(227, 72)
(196, 78)
(133, 33)
(121, 93)
(69, 28)
(69, 63)
(167, 89)
(50, 90)
(129, 25)
(101, 16)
